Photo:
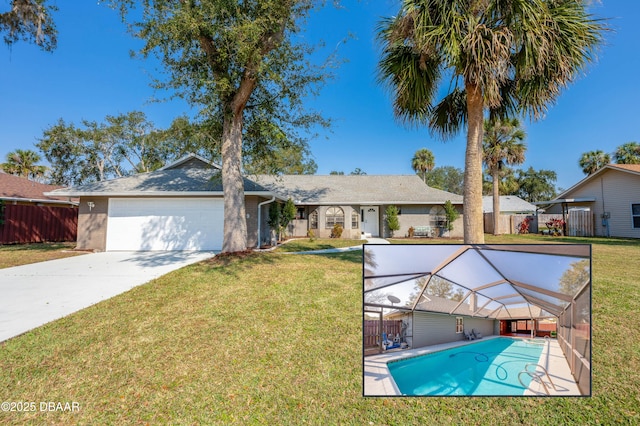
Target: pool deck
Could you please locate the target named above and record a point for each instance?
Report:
(378, 381)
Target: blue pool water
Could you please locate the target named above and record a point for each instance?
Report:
(489, 367)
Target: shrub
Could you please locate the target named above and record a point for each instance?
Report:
(411, 232)
(336, 232)
(392, 219)
(523, 228)
(311, 235)
(556, 226)
(451, 214)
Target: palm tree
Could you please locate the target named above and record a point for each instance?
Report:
(423, 161)
(592, 161)
(22, 162)
(628, 153)
(504, 58)
(502, 145)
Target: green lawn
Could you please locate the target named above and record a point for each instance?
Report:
(306, 244)
(22, 254)
(276, 339)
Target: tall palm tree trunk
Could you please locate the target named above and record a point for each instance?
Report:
(472, 210)
(496, 201)
(235, 224)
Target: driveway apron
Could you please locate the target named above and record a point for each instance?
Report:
(33, 295)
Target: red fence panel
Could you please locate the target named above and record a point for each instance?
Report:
(36, 224)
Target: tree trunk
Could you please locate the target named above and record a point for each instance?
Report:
(473, 221)
(496, 201)
(235, 223)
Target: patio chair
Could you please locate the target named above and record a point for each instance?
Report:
(468, 335)
(476, 334)
(388, 344)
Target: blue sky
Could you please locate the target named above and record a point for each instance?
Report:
(91, 75)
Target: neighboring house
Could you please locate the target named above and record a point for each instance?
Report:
(611, 195)
(19, 190)
(509, 204)
(512, 212)
(180, 207)
(28, 215)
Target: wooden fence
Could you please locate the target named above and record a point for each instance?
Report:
(579, 223)
(372, 332)
(36, 224)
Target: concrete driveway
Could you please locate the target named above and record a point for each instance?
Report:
(33, 295)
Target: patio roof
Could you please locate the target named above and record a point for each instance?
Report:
(486, 281)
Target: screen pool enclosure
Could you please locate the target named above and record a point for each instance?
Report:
(446, 293)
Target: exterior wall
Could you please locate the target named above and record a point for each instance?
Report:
(418, 215)
(348, 232)
(433, 329)
(92, 223)
(410, 215)
(614, 191)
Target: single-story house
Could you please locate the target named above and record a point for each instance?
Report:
(29, 215)
(180, 207)
(611, 195)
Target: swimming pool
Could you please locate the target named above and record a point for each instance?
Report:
(489, 367)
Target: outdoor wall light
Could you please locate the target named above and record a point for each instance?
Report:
(91, 205)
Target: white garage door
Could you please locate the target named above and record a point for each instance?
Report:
(165, 224)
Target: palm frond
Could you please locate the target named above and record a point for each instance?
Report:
(449, 116)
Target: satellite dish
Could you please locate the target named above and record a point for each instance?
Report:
(393, 299)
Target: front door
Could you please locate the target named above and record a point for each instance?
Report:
(370, 220)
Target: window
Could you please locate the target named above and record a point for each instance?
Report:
(334, 216)
(635, 215)
(355, 219)
(300, 213)
(459, 325)
(313, 220)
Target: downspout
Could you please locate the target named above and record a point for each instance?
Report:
(259, 214)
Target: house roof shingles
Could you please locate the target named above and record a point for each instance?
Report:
(357, 189)
(164, 181)
(199, 177)
(508, 203)
(16, 187)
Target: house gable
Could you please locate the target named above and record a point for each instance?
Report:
(609, 193)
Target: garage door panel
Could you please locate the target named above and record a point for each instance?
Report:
(165, 224)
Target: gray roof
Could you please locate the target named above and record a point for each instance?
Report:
(173, 181)
(356, 189)
(508, 203)
(193, 175)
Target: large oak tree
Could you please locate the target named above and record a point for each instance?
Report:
(239, 62)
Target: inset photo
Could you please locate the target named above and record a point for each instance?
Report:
(477, 320)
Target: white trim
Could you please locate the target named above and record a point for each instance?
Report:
(39, 201)
(371, 203)
(634, 215)
(153, 194)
